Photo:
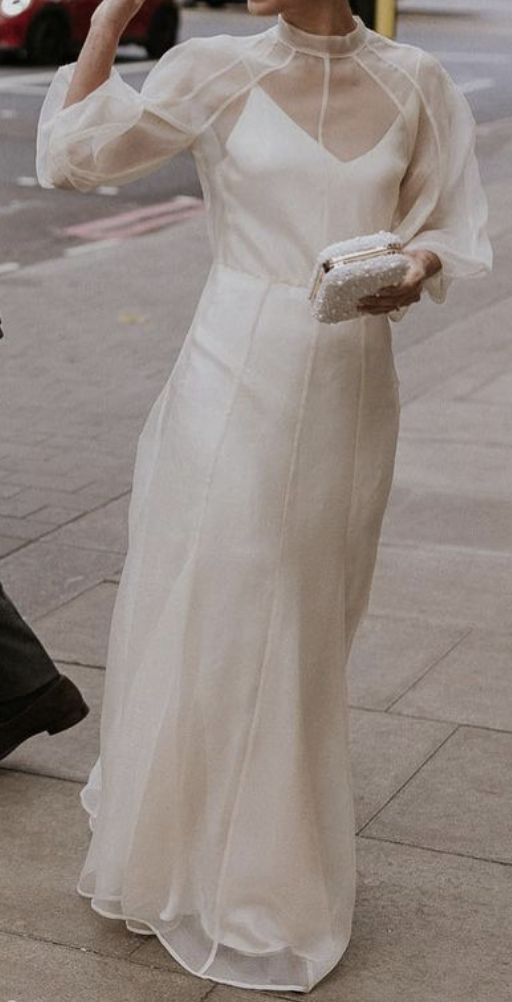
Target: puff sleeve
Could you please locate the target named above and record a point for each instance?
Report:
(442, 205)
(117, 134)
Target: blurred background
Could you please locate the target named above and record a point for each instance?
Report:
(472, 38)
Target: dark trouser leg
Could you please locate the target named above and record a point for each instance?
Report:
(24, 664)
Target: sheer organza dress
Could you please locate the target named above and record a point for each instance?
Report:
(221, 803)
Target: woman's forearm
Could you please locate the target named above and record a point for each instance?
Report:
(94, 62)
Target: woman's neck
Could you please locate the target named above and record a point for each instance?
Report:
(324, 17)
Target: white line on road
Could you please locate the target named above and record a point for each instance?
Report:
(27, 182)
(22, 90)
(471, 86)
(88, 248)
(8, 266)
(25, 83)
(474, 57)
(19, 205)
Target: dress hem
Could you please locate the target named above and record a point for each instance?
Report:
(206, 977)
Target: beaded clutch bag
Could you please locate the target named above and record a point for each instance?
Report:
(351, 269)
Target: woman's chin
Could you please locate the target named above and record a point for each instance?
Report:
(268, 7)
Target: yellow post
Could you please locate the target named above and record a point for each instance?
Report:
(385, 19)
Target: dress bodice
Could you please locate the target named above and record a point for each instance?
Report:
(300, 139)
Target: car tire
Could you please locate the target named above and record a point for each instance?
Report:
(163, 31)
(216, 3)
(48, 40)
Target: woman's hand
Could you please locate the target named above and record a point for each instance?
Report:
(422, 264)
(115, 15)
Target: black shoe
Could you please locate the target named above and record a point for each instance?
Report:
(60, 706)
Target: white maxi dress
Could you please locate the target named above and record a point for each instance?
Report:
(221, 804)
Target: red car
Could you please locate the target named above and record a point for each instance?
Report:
(52, 31)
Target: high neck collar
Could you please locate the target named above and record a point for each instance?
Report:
(331, 45)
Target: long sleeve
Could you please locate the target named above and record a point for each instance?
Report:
(442, 205)
(117, 134)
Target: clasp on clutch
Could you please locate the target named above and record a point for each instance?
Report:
(327, 265)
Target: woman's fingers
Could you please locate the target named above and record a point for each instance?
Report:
(384, 304)
(392, 297)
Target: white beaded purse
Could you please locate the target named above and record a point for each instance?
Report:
(348, 270)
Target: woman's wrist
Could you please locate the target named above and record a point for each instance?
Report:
(105, 29)
(94, 62)
(112, 17)
(428, 261)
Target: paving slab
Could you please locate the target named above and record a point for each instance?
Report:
(78, 631)
(44, 834)
(428, 927)
(459, 801)
(496, 391)
(103, 529)
(465, 468)
(471, 684)
(386, 751)
(451, 519)
(9, 544)
(465, 299)
(72, 753)
(151, 953)
(436, 416)
(426, 582)
(44, 575)
(28, 501)
(24, 528)
(463, 384)
(43, 972)
(389, 655)
(479, 339)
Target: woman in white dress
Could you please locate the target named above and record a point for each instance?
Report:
(221, 805)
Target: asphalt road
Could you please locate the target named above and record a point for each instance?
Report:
(474, 46)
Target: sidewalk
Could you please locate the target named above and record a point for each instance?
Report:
(89, 342)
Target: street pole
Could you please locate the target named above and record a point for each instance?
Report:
(377, 14)
(385, 20)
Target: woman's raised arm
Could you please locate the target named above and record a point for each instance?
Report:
(98, 53)
(95, 128)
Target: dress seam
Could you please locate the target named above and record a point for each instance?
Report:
(253, 81)
(204, 507)
(325, 99)
(416, 86)
(387, 90)
(354, 466)
(243, 769)
(199, 524)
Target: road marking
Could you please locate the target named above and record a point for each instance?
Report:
(137, 221)
(109, 231)
(8, 113)
(107, 189)
(18, 205)
(87, 248)
(471, 86)
(23, 91)
(27, 182)
(474, 57)
(25, 83)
